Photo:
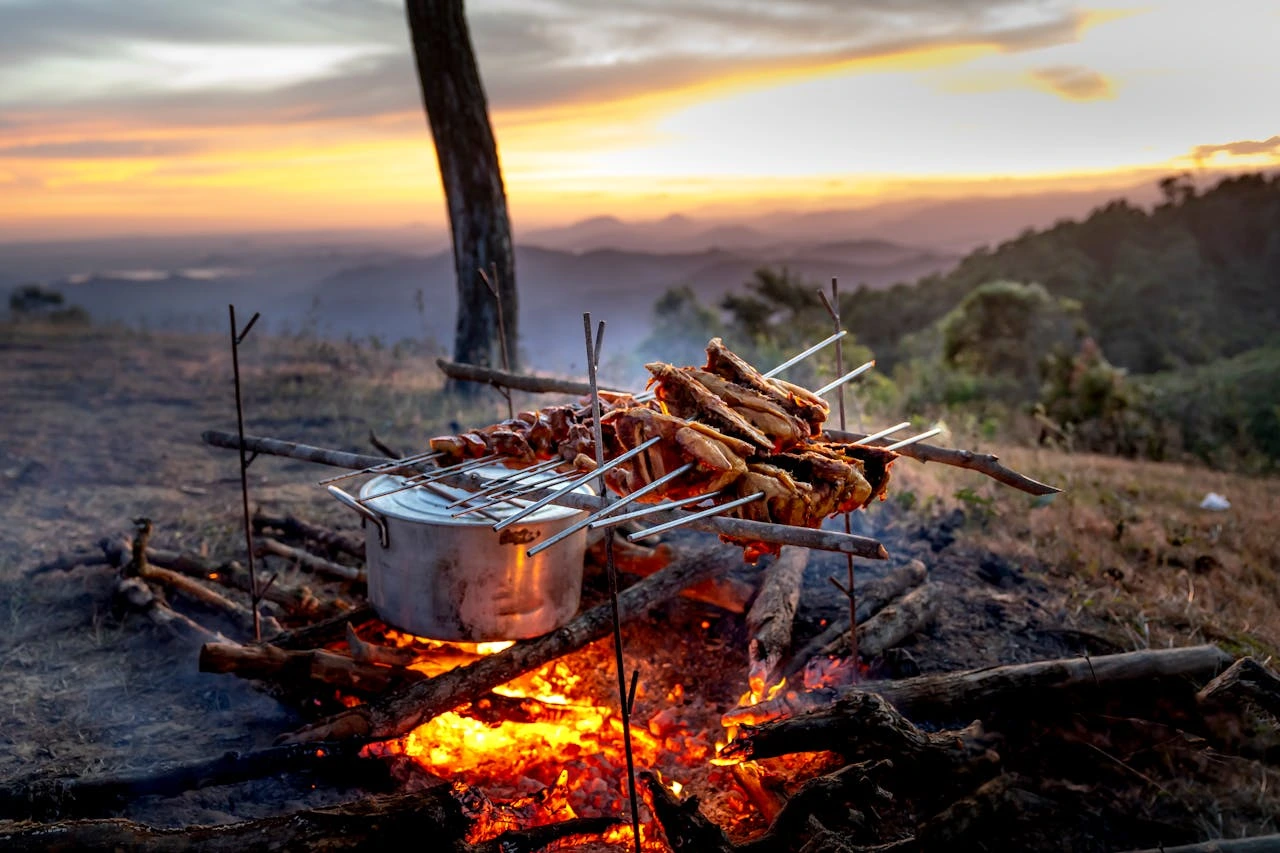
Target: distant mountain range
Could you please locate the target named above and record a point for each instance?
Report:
(339, 284)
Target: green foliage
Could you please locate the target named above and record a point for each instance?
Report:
(681, 328)
(1191, 281)
(36, 302)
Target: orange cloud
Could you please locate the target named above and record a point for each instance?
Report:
(1072, 82)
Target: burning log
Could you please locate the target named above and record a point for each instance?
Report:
(749, 778)
(78, 797)
(292, 526)
(375, 654)
(371, 823)
(308, 561)
(872, 597)
(404, 710)
(966, 694)
(770, 618)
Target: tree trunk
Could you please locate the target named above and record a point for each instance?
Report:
(472, 177)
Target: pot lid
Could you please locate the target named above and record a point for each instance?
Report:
(429, 505)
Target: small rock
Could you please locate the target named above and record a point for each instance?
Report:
(1216, 502)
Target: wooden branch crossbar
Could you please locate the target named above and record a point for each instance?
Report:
(514, 381)
(983, 463)
(805, 537)
(308, 561)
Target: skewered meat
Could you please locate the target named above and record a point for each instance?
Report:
(719, 458)
(802, 403)
(689, 398)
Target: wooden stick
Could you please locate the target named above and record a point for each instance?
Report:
(873, 596)
(304, 668)
(67, 562)
(770, 618)
(291, 525)
(1246, 680)
(983, 463)
(402, 711)
(90, 796)
(759, 531)
(767, 802)
(375, 654)
(310, 562)
(138, 596)
(297, 600)
(210, 599)
(966, 694)
(516, 381)
(893, 623)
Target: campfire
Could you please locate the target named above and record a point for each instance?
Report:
(744, 738)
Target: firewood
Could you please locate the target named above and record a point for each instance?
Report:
(1245, 681)
(303, 668)
(863, 727)
(892, 624)
(308, 561)
(768, 803)
(771, 615)
(92, 796)
(373, 653)
(631, 558)
(214, 601)
(966, 694)
(67, 562)
(291, 525)
(371, 823)
(400, 712)
(514, 381)
(872, 597)
(295, 600)
(135, 594)
(996, 804)
(327, 630)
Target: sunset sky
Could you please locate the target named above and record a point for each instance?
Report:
(162, 116)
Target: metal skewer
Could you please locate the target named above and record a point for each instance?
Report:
(611, 508)
(515, 493)
(506, 483)
(431, 476)
(884, 432)
(794, 360)
(852, 374)
(384, 466)
(921, 437)
(573, 484)
(650, 510)
(680, 522)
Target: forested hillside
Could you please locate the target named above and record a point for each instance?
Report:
(1193, 280)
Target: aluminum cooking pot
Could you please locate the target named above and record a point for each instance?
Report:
(457, 578)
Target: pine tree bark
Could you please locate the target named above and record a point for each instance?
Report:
(472, 177)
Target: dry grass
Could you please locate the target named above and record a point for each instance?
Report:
(1127, 543)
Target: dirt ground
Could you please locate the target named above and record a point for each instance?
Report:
(101, 425)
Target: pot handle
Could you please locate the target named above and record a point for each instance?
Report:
(364, 511)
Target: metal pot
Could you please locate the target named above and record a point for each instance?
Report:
(457, 578)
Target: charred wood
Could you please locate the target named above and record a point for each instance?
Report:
(400, 712)
(749, 778)
(296, 528)
(134, 594)
(193, 590)
(872, 596)
(1244, 682)
(295, 600)
(770, 618)
(892, 624)
(514, 381)
(303, 668)
(78, 797)
(967, 694)
(327, 630)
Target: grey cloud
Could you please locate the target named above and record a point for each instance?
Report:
(530, 54)
(1074, 82)
(1242, 148)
